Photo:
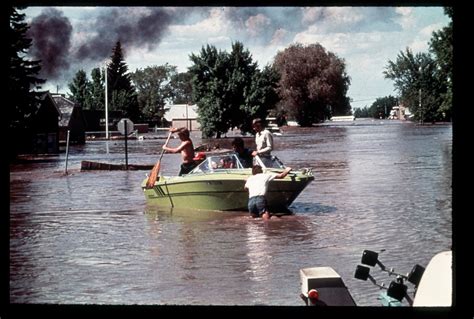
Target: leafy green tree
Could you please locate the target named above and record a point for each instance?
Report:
(121, 92)
(313, 83)
(414, 77)
(441, 46)
(181, 88)
(153, 88)
(22, 73)
(229, 89)
(210, 76)
(80, 89)
(261, 98)
(382, 106)
(361, 112)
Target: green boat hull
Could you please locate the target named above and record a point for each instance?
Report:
(223, 190)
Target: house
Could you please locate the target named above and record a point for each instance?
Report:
(42, 135)
(182, 115)
(72, 119)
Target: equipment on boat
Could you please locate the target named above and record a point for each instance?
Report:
(432, 286)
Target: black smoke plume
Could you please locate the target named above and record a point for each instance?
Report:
(131, 29)
(51, 34)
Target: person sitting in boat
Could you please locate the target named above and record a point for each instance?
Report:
(244, 154)
(257, 185)
(186, 149)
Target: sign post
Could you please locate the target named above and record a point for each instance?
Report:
(125, 126)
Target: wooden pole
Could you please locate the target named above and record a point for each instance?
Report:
(126, 148)
(67, 150)
(106, 104)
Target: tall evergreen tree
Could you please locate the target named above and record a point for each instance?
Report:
(121, 92)
(22, 73)
(80, 89)
(97, 90)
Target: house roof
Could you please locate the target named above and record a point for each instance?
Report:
(178, 112)
(42, 97)
(66, 107)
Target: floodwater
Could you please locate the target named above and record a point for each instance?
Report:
(88, 237)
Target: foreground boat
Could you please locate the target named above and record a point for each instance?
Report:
(217, 183)
(433, 286)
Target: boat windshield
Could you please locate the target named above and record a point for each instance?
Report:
(218, 162)
(269, 161)
(231, 161)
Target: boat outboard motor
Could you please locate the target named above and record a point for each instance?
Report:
(323, 286)
(397, 290)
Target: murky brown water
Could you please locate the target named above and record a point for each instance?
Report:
(88, 237)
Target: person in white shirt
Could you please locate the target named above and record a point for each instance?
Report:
(263, 139)
(257, 185)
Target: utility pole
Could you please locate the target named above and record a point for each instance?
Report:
(106, 103)
(422, 115)
(419, 106)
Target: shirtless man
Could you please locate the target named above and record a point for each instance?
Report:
(186, 148)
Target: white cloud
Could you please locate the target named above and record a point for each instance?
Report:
(256, 24)
(366, 38)
(406, 19)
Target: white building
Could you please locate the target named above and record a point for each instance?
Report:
(182, 115)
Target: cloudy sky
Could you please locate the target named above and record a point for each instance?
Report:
(67, 39)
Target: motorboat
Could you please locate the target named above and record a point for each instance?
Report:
(217, 183)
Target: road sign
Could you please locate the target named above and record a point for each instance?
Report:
(121, 126)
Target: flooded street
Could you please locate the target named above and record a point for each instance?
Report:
(88, 237)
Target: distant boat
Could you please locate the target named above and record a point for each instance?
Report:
(218, 182)
(273, 127)
(343, 118)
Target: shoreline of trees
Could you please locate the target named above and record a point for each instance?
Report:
(423, 80)
(305, 83)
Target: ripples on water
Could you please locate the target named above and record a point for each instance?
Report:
(88, 237)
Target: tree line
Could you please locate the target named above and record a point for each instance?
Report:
(305, 83)
(424, 80)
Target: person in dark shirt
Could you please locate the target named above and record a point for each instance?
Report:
(244, 154)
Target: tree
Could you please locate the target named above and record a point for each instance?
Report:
(97, 90)
(229, 89)
(80, 89)
(313, 83)
(181, 88)
(152, 84)
(414, 78)
(121, 92)
(209, 78)
(261, 98)
(22, 73)
(361, 112)
(382, 106)
(441, 46)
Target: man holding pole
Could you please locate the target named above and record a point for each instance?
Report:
(186, 149)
